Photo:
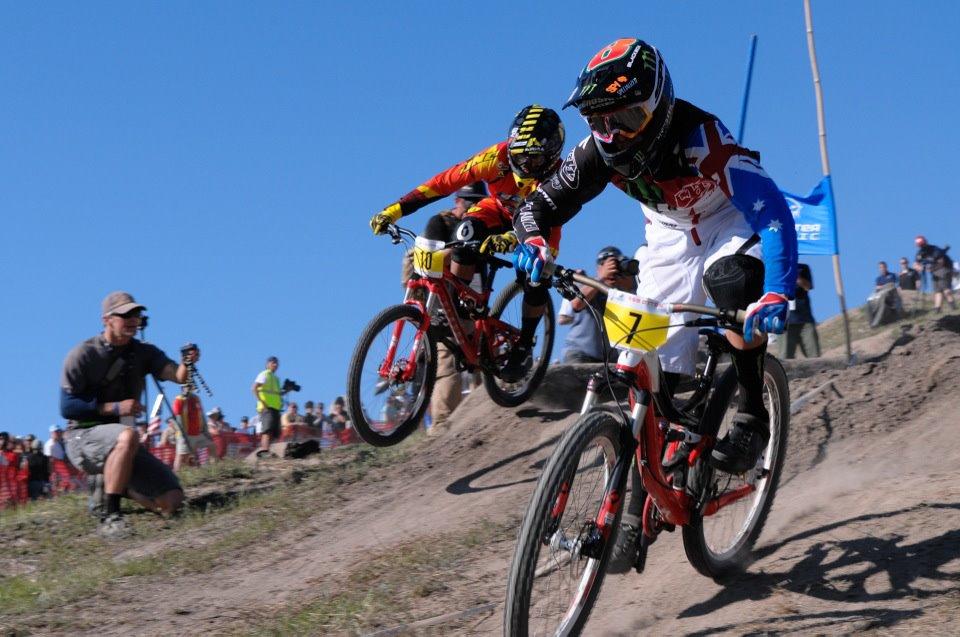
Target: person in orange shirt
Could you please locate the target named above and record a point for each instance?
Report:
(512, 169)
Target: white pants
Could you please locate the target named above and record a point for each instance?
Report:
(671, 270)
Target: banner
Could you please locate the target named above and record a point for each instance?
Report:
(815, 219)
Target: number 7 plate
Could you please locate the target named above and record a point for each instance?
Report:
(633, 323)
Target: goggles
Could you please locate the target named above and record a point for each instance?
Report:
(529, 165)
(627, 122)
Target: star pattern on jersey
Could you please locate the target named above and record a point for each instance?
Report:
(758, 205)
(775, 225)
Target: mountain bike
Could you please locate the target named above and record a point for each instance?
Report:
(394, 365)
(572, 521)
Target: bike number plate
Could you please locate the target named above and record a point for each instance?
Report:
(428, 258)
(634, 324)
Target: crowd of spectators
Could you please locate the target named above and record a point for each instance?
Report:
(904, 292)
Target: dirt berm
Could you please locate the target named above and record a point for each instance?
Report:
(864, 534)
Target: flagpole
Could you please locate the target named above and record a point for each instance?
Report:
(746, 89)
(825, 164)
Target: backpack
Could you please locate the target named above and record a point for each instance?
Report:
(303, 449)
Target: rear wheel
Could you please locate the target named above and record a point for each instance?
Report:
(720, 544)
(384, 407)
(508, 307)
(560, 559)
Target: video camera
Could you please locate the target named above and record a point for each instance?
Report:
(289, 385)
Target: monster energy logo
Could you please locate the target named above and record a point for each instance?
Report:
(649, 60)
(645, 192)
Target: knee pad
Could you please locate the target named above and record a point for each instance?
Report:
(535, 295)
(734, 281)
(469, 229)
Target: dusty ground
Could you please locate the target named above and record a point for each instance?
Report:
(864, 535)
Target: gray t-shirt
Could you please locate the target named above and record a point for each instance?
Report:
(96, 369)
(584, 337)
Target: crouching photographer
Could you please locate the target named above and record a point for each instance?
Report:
(103, 378)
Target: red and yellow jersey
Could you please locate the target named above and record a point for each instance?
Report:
(490, 165)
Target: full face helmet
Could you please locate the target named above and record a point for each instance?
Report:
(534, 145)
(626, 95)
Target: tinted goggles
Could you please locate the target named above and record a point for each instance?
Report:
(529, 165)
(627, 122)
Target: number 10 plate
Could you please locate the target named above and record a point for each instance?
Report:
(633, 323)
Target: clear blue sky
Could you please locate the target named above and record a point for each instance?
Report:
(220, 160)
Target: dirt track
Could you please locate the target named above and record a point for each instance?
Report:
(865, 532)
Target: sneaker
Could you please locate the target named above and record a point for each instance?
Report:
(740, 449)
(114, 527)
(625, 545)
(518, 364)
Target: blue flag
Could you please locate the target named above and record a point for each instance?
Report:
(815, 219)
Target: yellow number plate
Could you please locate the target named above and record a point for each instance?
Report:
(634, 324)
(428, 258)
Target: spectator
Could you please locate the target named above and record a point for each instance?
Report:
(584, 342)
(884, 304)
(99, 388)
(309, 419)
(193, 434)
(908, 281)
(38, 472)
(447, 389)
(244, 426)
(935, 260)
(55, 448)
(266, 388)
(338, 418)
(216, 422)
(289, 420)
(8, 456)
(801, 326)
(169, 435)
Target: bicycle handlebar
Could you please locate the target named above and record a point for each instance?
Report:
(733, 316)
(397, 233)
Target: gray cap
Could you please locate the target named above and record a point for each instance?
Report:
(120, 303)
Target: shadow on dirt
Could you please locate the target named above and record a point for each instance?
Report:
(544, 416)
(463, 486)
(831, 622)
(838, 570)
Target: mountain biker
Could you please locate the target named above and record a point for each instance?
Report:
(705, 199)
(512, 170)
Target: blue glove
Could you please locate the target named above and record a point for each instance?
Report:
(531, 256)
(768, 314)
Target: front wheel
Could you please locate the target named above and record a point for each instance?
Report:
(560, 559)
(391, 376)
(508, 308)
(719, 543)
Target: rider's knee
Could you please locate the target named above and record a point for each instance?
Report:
(734, 281)
(469, 229)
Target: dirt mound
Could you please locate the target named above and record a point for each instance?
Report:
(863, 533)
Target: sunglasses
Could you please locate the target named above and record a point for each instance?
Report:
(131, 314)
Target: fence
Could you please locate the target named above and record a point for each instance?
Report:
(65, 478)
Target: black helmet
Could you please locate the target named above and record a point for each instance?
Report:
(625, 94)
(472, 193)
(536, 141)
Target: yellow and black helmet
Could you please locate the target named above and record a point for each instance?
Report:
(536, 142)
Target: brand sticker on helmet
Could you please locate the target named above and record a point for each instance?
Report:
(611, 52)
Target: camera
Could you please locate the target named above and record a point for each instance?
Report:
(289, 385)
(626, 266)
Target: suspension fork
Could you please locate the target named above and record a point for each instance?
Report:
(410, 368)
(617, 486)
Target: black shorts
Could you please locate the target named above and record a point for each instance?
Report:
(270, 422)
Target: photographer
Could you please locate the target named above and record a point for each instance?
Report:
(584, 342)
(102, 379)
(269, 396)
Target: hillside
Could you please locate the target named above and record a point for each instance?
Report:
(417, 539)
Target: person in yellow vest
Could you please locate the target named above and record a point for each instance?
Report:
(266, 388)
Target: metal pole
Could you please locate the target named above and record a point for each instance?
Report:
(825, 164)
(746, 89)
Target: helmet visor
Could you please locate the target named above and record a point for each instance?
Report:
(625, 123)
(529, 165)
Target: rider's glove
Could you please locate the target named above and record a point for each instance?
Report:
(532, 257)
(384, 218)
(505, 242)
(768, 314)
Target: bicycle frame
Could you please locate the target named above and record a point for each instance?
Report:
(648, 431)
(487, 330)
